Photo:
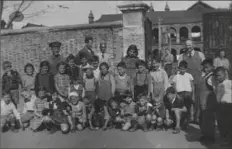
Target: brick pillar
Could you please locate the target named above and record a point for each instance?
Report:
(133, 25)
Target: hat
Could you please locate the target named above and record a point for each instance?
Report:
(55, 44)
(73, 94)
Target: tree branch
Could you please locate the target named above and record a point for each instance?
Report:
(27, 6)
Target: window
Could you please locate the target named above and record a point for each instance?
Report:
(196, 33)
(183, 34)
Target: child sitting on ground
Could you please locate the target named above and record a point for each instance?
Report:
(78, 112)
(127, 113)
(29, 107)
(9, 115)
(143, 110)
(42, 111)
(61, 115)
(114, 111)
(99, 115)
(175, 110)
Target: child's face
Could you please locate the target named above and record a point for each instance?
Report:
(220, 76)
(29, 70)
(7, 67)
(114, 105)
(74, 99)
(104, 70)
(26, 94)
(149, 63)
(41, 94)
(121, 71)
(95, 64)
(156, 65)
(103, 49)
(207, 68)
(71, 63)
(86, 101)
(142, 68)
(89, 72)
(62, 69)
(142, 101)
(84, 61)
(132, 53)
(44, 69)
(170, 96)
(182, 70)
(55, 51)
(7, 98)
(128, 99)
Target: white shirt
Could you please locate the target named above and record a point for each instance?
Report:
(104, 57)
(7, 110)
(227, 96)
(30, 105)
(202, 56)
(183, 82)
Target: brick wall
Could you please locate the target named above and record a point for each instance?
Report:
(31, 44)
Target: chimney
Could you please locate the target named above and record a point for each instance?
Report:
(91, 17)
(167, 7)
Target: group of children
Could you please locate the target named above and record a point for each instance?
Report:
(139, 96)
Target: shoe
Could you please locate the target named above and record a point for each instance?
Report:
(53, 130)
(133, 129)
(176, 131)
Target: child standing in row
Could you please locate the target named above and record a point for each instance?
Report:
(159, 83)
(45, 78)
(208, 103)
(224, 98)
(90, 85)
(62, 80)
(123, 82)
(183, 83)
(142, 81)
(28, 80)
(73, 71)
(11, 82)
(106, 83)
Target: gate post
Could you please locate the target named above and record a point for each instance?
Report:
(133, 14)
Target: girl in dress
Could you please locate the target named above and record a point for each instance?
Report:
(131, 59)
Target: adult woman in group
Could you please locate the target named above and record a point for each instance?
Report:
(222, 61)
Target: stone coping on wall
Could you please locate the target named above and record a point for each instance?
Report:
(61, 28)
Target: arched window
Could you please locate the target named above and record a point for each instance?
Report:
(183, 34)
(155, 34)
(196, 33)
(172, 32)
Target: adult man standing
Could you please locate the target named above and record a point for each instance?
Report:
(103, 56)
(194, 60)
(55, 58)
(87, 50)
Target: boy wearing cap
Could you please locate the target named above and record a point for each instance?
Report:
(11, 82)
(56, 57)
(78, 111)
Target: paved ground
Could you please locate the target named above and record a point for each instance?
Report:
(103, 139)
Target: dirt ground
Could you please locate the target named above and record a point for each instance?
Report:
(103, 139)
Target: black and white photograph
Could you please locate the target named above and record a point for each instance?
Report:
(116, 74)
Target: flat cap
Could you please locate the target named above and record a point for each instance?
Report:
(54, 44)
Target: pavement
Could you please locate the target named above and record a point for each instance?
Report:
(103, 139)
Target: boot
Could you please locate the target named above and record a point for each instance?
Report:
(145, 129)
(134, 126)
